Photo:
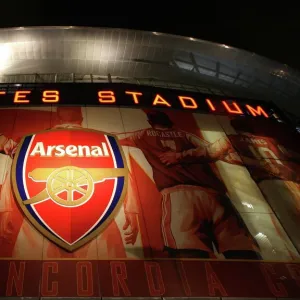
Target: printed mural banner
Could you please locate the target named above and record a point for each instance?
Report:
(118, 184)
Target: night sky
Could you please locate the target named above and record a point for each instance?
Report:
(265, 31)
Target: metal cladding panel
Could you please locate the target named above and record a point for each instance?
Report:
(138, 54)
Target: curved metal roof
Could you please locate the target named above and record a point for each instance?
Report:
(146, 57)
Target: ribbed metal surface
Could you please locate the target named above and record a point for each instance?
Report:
(145, 55)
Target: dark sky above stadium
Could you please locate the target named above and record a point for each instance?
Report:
(270, 32)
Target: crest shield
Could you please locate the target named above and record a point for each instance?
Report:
(69, 183)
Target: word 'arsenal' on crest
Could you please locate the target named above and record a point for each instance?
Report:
(70, 150)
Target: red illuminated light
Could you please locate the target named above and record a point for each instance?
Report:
(134, 96)
(235, 110)
(106, 97)
(109, 97)
(188, 102)
(159, 100)
(258, 111)
(20, 97)
(51, 96)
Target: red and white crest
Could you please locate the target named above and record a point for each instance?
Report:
(69, 182)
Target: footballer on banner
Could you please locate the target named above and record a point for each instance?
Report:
(273, 159)
(196, 214)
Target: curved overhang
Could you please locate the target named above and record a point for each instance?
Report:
(82, 53)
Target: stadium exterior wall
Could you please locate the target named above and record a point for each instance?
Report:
(114, 187)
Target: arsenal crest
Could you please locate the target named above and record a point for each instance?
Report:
(69, 183)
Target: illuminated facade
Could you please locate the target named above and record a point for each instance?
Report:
(139, 164)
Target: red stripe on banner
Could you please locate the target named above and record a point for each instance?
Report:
(138, 278)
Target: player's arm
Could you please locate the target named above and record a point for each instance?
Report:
(239, 159)
(208, 151)
(130, 203)
(200, 151)
(267, 166)
(219, 149)
(131, 225)
(7, 146)
(130, 139)
(233, 158)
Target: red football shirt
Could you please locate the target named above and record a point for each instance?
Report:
(265, 150)
(153, 142)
